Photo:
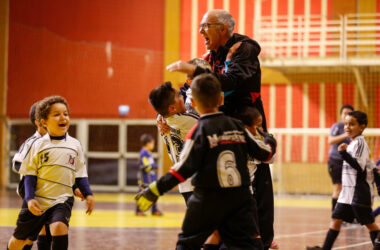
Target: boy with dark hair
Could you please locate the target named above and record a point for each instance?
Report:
(55, 162)
(337, 136)
(147, 169)
(215, 154)
(355, 199)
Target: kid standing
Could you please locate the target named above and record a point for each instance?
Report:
(55, 162)
(148, 169)
(355, 199)
(215, 154)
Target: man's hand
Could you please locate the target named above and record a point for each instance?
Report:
(162, 126)
(34, 207)
(183, 67)
(232, 50)
(146, 198)
(79, 194)
(342, 147)
(90, 204)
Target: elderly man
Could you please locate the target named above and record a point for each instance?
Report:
(241, 83)
(234, 61)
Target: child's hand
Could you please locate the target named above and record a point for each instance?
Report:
(232, 50)
(34, 207)
(90, 204)
(162, 126)
(342, 147)
(79, 194)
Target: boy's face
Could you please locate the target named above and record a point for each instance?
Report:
(344, 113)
(150, 145)
(257, 124)
(179, 104)
(58, 120)
(352, 127)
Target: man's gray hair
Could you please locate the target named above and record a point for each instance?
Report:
(225, 17)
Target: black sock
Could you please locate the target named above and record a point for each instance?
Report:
(333, 201)
(330, 239)
(377, 242)
(60, 242)
(27, 247)
(210, 247)
(44, 242)
(373, 236)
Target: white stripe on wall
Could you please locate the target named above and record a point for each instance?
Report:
(305, 120)
(339, 99)
(306, 34)
(322, 49)
(241, 28)
(274, 25)
(194, 28)
(257, 20)
(272, 106)
(289, 113)
(226, 5)
(290, 25)
(322, 120)
(210, 4)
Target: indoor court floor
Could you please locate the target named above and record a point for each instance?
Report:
(299, 221)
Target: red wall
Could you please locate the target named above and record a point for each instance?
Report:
(59, 48)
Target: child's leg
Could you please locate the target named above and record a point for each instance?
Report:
(373, 231)
(16, 244)
(59, 231)
(44, 239)
(28, 245)
(332, 234)
(212, 242)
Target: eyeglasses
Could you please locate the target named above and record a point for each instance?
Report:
(205, 26)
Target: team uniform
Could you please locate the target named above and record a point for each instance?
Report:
(335, 161)
(215, 156)
(180, 125)
(51, 168)
(19, 158)
(355, 199)
(147, 173)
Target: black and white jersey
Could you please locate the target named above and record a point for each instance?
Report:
(215, 155)
(180, 125)
(19, 157)
(56, 164)
(357, 184)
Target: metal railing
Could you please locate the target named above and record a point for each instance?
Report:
(319, 36)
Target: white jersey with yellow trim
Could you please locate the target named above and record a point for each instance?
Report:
(180, 125)
(56, 164)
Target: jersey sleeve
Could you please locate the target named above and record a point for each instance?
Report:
(29, 165)
(81, 170)
(189, 162)
(257, 148)
(334, 131)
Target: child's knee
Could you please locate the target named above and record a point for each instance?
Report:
(58, 228)
(16, 244)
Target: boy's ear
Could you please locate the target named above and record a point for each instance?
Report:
(43, 123)
(172, 109)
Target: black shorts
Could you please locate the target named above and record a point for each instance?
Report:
(30, 225)
(348, 213)
(230, 211)
(186, 196)
(335, 170)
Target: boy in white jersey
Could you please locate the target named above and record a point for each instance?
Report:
(55, 162)
(355, 199)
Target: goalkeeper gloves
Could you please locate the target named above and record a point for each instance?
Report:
(269, 139)
(146, 198)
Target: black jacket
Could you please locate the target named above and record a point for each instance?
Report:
(242, 82)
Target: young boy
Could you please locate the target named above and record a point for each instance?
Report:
(55, 162)
(355, 199)
(215, 155)
(337, 136)
(252, 120)
(169, 103)
(148, 169)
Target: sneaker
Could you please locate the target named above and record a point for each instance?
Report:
(157, 213)
(314, 248)
(140, 213)
(274, 245)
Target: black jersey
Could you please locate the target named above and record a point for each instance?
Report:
(215, 155)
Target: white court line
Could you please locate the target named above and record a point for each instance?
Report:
(308, 233)
(353, 245)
